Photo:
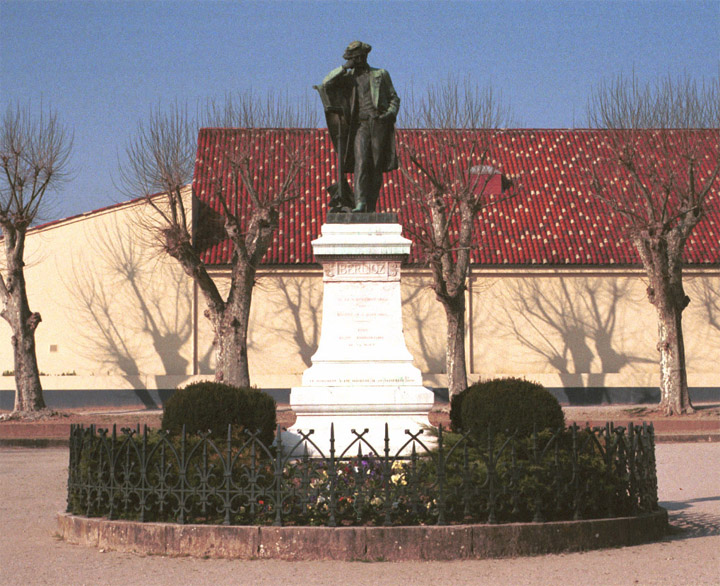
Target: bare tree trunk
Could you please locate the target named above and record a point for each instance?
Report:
(675, 397)
(662, 259)
(231, 351)
(455, 366)
(670, 303)
(250, 198)
(23, 322)
(28, 391)
(449, 190)
(657, 169)
(231, 329)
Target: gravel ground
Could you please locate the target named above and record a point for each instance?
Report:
(32, 487)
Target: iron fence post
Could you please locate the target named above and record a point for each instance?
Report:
(332, 479)
(441, 478)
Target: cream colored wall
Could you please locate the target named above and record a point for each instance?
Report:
(585, 328)
(119, 315)
(110, 304)
(424, 323)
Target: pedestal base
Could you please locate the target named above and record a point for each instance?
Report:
(384, 412)
(362, 375)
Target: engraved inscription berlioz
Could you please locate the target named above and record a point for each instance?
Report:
(350, 270)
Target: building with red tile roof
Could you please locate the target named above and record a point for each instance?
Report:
(556, 292)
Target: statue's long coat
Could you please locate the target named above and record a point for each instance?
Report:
(338, 94)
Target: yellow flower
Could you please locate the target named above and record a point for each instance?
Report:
(398, 479)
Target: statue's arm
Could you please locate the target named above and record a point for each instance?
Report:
(393, 99)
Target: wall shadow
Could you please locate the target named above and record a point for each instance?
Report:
(705, 292)
(418, 314)
(124, 300)
(571, 323)
(298, 316)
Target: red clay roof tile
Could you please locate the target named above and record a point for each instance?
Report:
(553, 221)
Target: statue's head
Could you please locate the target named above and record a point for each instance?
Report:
(357, 52)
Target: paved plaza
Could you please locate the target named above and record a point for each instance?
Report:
(32, 490)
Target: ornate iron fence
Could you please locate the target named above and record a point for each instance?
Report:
(571, 473)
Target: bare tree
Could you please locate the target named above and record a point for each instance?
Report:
(249, 190)
(34, 155)
(658, 173)
(452, 174)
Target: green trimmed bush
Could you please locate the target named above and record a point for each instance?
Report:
(456, 411)
(507, 405)
(211, 406)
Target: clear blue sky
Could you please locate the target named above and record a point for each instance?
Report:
(104, 65)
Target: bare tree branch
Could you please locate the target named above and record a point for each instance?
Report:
(271, 110)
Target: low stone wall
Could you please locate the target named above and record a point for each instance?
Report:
(450, 542)
(85, 397)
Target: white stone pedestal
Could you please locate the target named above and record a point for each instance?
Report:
(362, 376)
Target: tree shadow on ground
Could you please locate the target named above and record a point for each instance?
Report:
(686, 523)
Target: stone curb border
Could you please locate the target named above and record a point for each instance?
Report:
(32, 442)
(449, 542)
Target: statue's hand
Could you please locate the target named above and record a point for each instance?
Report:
(387, 117)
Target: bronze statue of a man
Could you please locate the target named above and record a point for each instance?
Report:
(360, 106)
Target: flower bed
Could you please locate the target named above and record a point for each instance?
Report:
(567, 474)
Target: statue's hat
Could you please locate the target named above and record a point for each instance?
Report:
(356, 48)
